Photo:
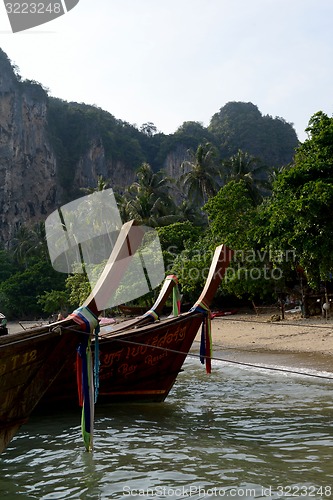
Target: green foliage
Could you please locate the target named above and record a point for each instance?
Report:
(74, 128)
(192, 265)
(231, 213)
(7, 266)
(18, 294)
(240, 125)
(29, 243)
(243, 166)
(174, 238)
(148, 199)
(78, 288)
(176, 235)
(233, 220)
(298, 216)
(53, 301)
(200, 177)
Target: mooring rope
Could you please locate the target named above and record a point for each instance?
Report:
(215, 358)
(241, 363)
(278, 323)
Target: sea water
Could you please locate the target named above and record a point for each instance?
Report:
(241, 432)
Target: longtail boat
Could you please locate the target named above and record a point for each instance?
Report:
(31, 360)
(140, 361)
(132, 310)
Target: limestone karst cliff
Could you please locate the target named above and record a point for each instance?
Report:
(27, 161)
(39, 168)
(50, 149)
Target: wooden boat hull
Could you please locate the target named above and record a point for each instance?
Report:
(31, 360)
(29, 363)
(132, 310)
(136, 365)
(142, 362)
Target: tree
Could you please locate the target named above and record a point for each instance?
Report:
(234, 218)
(200, 175)
(298, 216)
(53, 301)
(240, 125)
(78, 288)
(149, 129)
(175, 237)
(7, 267)
(30, 242)
(148, 199)
(231, 213)
(19, 293)
(243, 166)
(102, 184)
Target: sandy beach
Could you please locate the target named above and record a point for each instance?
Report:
(294, 333)
(295, 341)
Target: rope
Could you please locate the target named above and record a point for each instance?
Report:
(278, 323)
(214, 358)
(241, 363)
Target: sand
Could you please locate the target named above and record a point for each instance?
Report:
(294, 341)
(259, 332)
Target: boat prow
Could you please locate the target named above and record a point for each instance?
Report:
(32, 359)
(141, 361)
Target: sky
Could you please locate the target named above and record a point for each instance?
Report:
(173, 61)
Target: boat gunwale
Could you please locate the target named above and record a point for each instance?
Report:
(141, 329)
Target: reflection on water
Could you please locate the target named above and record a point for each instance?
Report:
(238, 433)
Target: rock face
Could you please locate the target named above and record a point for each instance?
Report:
(34, 178)
(51, 149)
(27, 162)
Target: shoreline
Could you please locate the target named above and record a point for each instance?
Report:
(294, 341)
(246, 337)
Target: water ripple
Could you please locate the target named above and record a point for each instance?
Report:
(235, 429)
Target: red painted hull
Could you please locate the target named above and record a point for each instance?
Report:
(136, 365)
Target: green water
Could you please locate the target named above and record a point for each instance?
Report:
(238, 433)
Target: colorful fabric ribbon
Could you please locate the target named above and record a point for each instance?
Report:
(152, 314)
(206, 344)
(87, 374)
(176, 297)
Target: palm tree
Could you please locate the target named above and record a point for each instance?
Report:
(148, 199)
(149, 210)
(200, 174)
(102, 185)
(243, 166)
(30, 242)
(274, 174)
(150, 182)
